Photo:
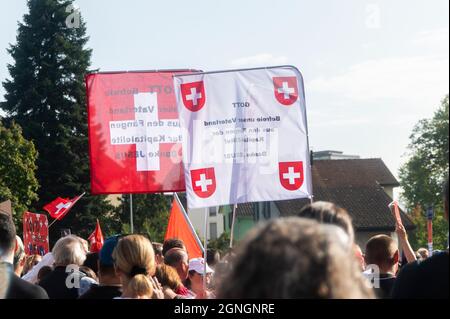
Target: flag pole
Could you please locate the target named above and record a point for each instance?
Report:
(52, 223)
(131, 214)
(188, 221)
(232, 225)
(205, 248)
(73, 204)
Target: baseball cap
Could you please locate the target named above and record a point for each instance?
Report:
(105, 255)
(198, 265)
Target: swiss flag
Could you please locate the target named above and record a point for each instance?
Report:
(194, 96)
(180, 227)
(291, 175)
(286, 89)
(96, 239)
(203, 182)
(61, 206)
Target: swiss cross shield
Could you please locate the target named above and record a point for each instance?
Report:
(203, 182)
(286, 89)
(291, 175)
(194, 96)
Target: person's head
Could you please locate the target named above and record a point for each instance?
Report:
(196, 274)
(134, 262)
(422, 254)
(19, 257)
(446, 199)
(382, 250)
(292, 258)
(158, 248)
(7, 238)
(171, 244)
(178, 259)
(43, 272)
(89, 272)
(69, 250)
(212, 257)
(168, 277)
(329, 213)
(106, 272)
(30, 262)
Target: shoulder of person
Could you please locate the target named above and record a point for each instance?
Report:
(25, 290)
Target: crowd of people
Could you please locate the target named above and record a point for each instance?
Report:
(311, 255)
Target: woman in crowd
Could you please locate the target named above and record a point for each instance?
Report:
(134, 261)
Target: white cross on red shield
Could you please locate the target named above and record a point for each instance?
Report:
(291, 175)
(194, 96)
(204, 182)
(286, 89)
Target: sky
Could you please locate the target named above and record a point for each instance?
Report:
(372, 69)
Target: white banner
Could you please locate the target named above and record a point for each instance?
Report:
(244, 136)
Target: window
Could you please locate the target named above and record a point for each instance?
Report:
(212, 211)
(212, 231)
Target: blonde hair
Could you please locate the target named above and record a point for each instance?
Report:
(134, 256)
(69, 250)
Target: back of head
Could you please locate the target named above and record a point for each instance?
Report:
(380, 251)
(175, 257)
(19, 254)
(134, 257)
(171, 244)
(7, 235)
(158, 248)
(329, 213)
(168, 277)
(294, 258)
(69, 250)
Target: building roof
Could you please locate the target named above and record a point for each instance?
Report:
(356, 185)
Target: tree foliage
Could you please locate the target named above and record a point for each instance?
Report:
(423, 175)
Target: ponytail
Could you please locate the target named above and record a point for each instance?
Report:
(140, 286)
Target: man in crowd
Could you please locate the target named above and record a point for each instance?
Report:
(171, 244)
(178, 259)
(426, 279)
(109, 283)
(382, 251)
(17, 288)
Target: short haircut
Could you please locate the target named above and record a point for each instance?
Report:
(172, 243)
(158, 248)
(380, 251)
(175, 256)
(329, 213)
(7, 234)
(69, 250)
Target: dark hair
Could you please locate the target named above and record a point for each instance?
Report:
(43, 272)
(106, 270)
(172, 243)
(7, 234)
(380, 251)
(292, 258)
(92, 261)
(158, 248)
(212, 257)
(329, 213)
(174, 257)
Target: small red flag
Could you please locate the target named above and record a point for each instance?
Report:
(61, 206)
(180, 227)
(96, 239)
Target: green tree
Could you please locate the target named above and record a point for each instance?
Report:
(423, 175)
(17, 170)
(45, 95)
(150, 215)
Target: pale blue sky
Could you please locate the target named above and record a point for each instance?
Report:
(372, 68)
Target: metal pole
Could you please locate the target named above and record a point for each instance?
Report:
(131, 214)
(232, 225)
(206, 248)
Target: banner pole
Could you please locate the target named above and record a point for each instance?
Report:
(52, 223)
(232, 225)
(131, 214)
(205, 248)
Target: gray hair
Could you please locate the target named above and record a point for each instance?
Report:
(69, 251)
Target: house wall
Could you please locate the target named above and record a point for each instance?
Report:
(197, 217)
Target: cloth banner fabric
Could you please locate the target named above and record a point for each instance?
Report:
(134, 133)
(180, 227)
(60, 207)
(245, 136)
(35, 234)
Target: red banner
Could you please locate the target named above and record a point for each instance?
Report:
(134, 133)
(35, 234)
